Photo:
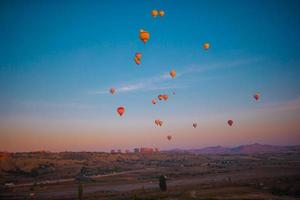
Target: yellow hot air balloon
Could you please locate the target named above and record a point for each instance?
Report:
(162, 13)
(144, 35)
(206, 46)
(172, 73)
(154, 13)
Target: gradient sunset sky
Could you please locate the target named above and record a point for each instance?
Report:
(58, 60)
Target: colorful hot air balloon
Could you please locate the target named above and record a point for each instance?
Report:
(206, 46)
(121, 110)
(172, 73)
(137, 61)
(169, 137)
(160, 97)
(154, 13)
(256, 96)
(138, 56)
(112, 90)
(154, 101)
(230, 122)
(162, 13)
(195, 125)
(144, 35)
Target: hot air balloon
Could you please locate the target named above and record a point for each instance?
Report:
(144, 35)
(173, 93)
(165, 97)
(154, 101)
(154, 13)
(194, 125)
(161, 13)
(160, 123)
(169, 137)
(172, 73)
(157, 122)
(230, 122)
(137, 61)
(138, 56)
(112, 90)
(121, 110)
(160, 97)
(206, 46)
(256, 96)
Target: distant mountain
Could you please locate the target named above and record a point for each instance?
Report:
(243, 149)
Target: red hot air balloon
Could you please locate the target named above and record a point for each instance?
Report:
(256, 96)
(230, 122)
(169, 137)
(121, 110)
(194, 125)
(154, 101)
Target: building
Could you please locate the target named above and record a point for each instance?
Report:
(136, 150)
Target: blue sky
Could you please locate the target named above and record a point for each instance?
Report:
(59, 58)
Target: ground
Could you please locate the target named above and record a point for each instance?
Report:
(135, 176)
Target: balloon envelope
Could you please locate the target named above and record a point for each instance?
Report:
(154, 13)
(206, 46)
(194, 125)
(169, 137)
(154, 101)
(160, 97)
(230, 122)
(256, 96)
(112, 90)
(121, 110)
(161, 13)
(172, 73)
(144, 35)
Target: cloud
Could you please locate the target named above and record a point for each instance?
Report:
(151, 82)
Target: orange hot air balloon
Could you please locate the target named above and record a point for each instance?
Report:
(121, 110)
(138, 56)
(144, 35)
(169, 137)
(256, 96)
(162, 13)
(195, 125)
(112, 90)
(172, 73)
(206, 46)
(160, 97)
(230, 122)
(154, 13)
(137, 61)
(154, 101)
(165, 97)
